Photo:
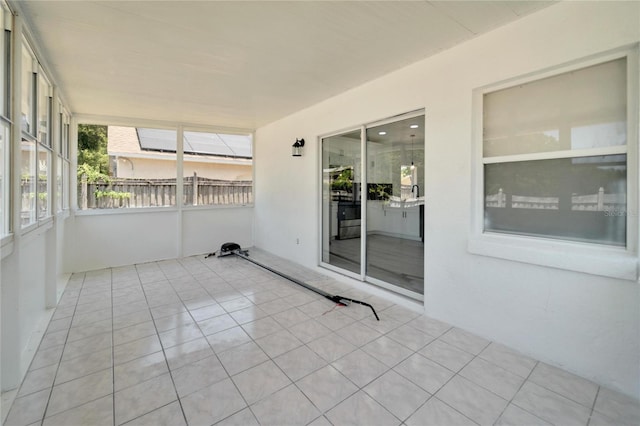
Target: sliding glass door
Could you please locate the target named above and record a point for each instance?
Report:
(395, 204)
(375, 231)
(341, 201)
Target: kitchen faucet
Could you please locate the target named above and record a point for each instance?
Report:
(417, 192)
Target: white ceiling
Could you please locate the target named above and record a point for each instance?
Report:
(241, 64)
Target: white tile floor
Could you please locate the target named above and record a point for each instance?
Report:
(220, 341)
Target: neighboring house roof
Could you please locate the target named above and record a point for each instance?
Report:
(160, 144)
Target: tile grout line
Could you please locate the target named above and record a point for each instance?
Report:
(274, 363)
(113, 356)
(247, 406)
(561, 395)
(251, 340)
(269, 357)
(329, 364)
(455, 373)
(414, 352)
(593, 406)
(153, 319)
(141, 356)
(216, 355)
(64, 346)
(353, 321)
(510, 401)
(279, 368)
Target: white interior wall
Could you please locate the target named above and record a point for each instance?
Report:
(587, 324)
(103, 240)
(12, 340)
(60, 246)
(204, 231)
(28, 283)
(96, 241)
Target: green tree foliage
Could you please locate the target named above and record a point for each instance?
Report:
(344, 181)
(93, 159)
(92, 174)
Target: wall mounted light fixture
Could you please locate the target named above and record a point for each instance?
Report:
(296, 148)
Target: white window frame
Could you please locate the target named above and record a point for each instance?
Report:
(32, 114)
(45, 145)
(6, 62)
(48, 138)
(67, 163)
(7, 190)
(180, 128)
(63, 164)
(590, 258)
(180, 149)
(7, 59)
(362, 274)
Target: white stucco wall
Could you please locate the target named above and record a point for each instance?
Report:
(204, 231)
(586, 324)
(111, 239)
(29, 280)
(108, 240)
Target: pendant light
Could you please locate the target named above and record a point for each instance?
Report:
(412, 165)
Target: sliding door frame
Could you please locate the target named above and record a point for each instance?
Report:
(321, 218)
(362, 276)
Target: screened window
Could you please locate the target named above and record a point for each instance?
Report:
(44, 182)
(66, 164)
(62, 165)
(5, 206)
(555, 156)
(59, 184)
(116, 171)
(217, 169)
(5, 126)
(44, 110)
(5, 58)
(45, 152)
(29, 144)
(63, 135)
(28, 182)
(29, 84)
(127, 167)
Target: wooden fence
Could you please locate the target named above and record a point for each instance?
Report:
(197, 191)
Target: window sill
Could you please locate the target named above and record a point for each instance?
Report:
(6, 245)
(35, 230)
(129, 210)
(134, 210)
(62, 214)
(586, 258)
(217, 206)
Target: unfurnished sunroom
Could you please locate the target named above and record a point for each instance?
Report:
(472, 164)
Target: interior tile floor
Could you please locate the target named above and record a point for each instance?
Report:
(220, 341)
(397, 261)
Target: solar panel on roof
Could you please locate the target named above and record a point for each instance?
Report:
(205, 143)
(199, 143)
(239, 144)
(157, 139)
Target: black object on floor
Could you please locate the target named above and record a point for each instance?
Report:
(229, 249)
